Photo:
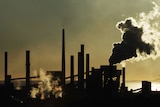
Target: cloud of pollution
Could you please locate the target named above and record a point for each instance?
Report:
(140, 38)
(47, 87)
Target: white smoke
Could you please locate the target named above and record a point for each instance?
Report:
(151, 31)
(47, 87)
(143, 29)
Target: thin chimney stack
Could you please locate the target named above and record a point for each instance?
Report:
(27, 69)
(63, 57)
(5, 67)
(81, 68)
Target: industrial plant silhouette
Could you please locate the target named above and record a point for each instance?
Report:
(90, 87)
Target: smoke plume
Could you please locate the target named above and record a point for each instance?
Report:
(140, 38)
(47, 87)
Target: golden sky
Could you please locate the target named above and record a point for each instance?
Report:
(36, 25)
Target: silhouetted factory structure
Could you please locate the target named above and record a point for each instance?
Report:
(99, 77)
(107, 79)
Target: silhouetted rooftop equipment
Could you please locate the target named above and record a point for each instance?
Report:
(146, 87)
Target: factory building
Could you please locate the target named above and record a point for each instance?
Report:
(106, 79)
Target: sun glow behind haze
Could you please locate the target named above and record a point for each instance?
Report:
(36, 25)
(155, 86)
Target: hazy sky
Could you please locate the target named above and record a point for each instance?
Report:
(36, 25)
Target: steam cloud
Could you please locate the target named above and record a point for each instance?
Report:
(140, 38)
(47, 87)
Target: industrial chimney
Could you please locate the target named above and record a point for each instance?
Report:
(81, 68)
(27, 69)
(123, 86)
(5, 67)
(63, 57)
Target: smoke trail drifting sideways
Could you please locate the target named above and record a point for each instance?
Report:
(140, 38)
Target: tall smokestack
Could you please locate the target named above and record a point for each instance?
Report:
(81, 68)
(5, 67)
(27, 69)
(72, 71)
(63, 57)
(87, 69)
